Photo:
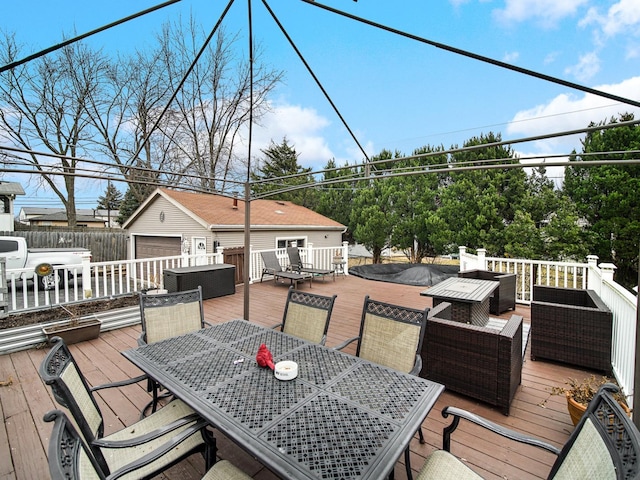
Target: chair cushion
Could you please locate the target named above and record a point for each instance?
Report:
(118, 457)
(170, 321)
(588, 457)
(224, 470)
(444, 466)
(305, 322)
(390, 343)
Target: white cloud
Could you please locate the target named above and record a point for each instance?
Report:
(511, 57)
(587, 66)
(548, 12)
(572, 112)
(622, 17)
(302, 127)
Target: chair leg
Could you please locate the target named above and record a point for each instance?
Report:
(407, 462)
(211, 449)
(422, 442)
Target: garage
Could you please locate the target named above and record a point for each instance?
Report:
(151, 246)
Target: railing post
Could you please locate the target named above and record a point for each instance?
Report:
(86, 275)
(462, 252)
(482, 259)
(345, 256)
(219, 257)
(594, 275)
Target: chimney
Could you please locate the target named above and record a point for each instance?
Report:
(235, 203)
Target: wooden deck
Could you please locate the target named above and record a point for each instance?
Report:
(23, 402)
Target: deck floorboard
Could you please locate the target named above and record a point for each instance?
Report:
(24, 435)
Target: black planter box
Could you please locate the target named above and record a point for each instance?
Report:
(215, 280)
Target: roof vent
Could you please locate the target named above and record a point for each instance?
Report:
(280, 203)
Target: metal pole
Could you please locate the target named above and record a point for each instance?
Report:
(247, 247)
(636, 374)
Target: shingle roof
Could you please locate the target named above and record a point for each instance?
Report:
(219, 210)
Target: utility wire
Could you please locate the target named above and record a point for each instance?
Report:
(481, 58)
(41, 53)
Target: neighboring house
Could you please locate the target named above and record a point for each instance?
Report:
(59, 219)
(99, 218)
(170, 221)
(8, 192)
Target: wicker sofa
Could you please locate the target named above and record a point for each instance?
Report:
(504, 297)
(572, 326)
(481, 362)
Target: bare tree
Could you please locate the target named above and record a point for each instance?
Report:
(42, 109)
(211, 108)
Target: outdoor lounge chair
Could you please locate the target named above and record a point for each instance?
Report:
(480, 362)
(131, 447)
(69, 458)
(392, 336)
(167, 315)
(272, 267)
(571, 325)
(307, 315)
(604, 445)
(297, 265)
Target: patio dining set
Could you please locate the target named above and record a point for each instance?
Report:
(305, 410)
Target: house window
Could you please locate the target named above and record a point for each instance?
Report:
(291, 242)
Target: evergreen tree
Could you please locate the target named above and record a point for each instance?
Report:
(111, 199)
(280, 170)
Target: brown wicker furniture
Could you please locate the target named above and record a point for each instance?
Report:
(504, 297)
(572, 326)
(605, 444)
(469, 298)
(481, 362)
(307, 315)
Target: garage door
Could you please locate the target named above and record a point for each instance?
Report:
(151, 247)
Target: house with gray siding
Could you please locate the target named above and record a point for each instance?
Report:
(171, 222)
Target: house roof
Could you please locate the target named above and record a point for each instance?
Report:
(62, 216)
(90, 212)
(220, 212)
(11, 188)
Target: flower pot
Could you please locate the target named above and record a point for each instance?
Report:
(576, 409)
(74, 331)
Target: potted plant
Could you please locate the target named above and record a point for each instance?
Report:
(76, 329)
(580, 393)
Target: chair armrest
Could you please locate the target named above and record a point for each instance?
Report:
(159, 452)
(345, 343)
(417, 367)
(147, 437)
(458, 413)
(121, 383)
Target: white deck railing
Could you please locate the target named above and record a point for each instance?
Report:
(599, 278)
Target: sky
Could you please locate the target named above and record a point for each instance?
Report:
(393, 92)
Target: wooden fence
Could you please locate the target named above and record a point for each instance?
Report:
(105, 246)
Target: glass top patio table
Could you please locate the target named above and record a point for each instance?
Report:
(342, 417)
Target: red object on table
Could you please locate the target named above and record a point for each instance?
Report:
(264, 357)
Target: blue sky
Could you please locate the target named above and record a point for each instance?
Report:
(393, 92)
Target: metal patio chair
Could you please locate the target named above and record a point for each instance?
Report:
(604, 445)
(132, 447)
(167, 315)
(297, 265)
(307, 316)
(272, 267)
(391, 335)
(70, 459)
